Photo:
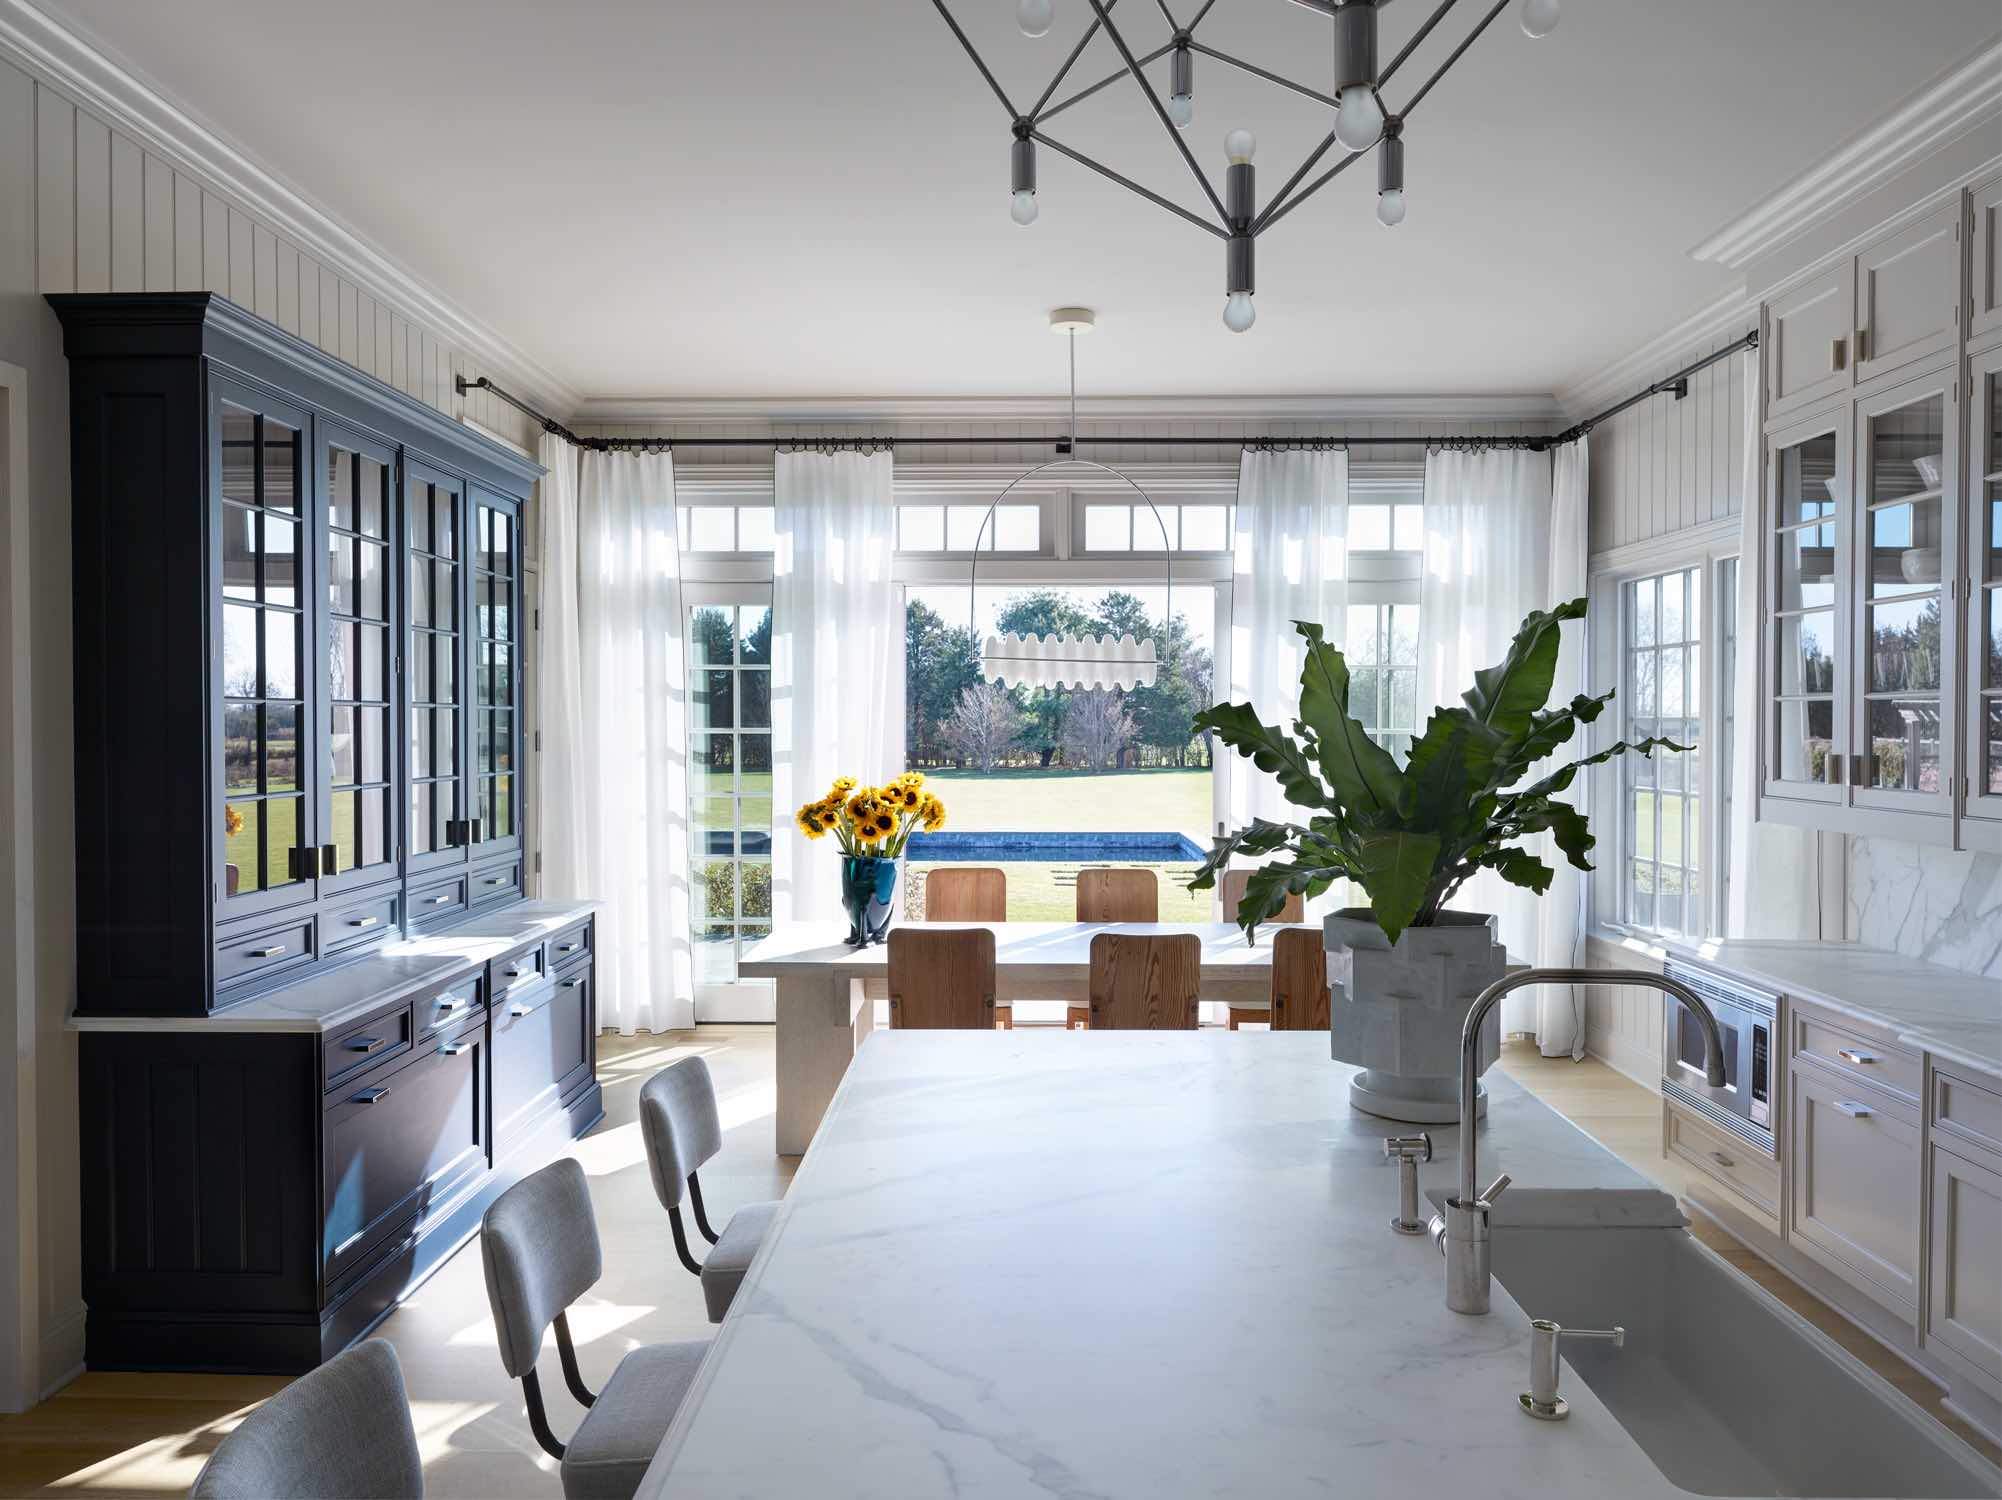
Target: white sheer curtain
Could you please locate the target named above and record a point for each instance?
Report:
(1291, 563)
(1559, 1018)
(615, 739)
(1487, 564)
(1775, 870)
(837, 653)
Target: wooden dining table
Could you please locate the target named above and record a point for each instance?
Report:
(827, 991)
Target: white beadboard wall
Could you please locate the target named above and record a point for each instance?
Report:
(110, 216)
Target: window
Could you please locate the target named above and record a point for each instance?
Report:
(1386, 507)
(725, 528)
(1382, 649)
(730, 783)
(1727, 735)
(1119, 526)
(1661, 794)
(954, 528)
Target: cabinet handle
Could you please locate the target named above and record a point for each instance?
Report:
(1850, 1055)
(271, 952)
(1854, 1111)
(368, 1044)
(475, 826)
(453, 1049)
(450, 1003)
(1721, 1159)
(363, 921)
(518, 1011)
(372, 1096)
(571, 984)
(1834, 765)
(436, 900)
(330, 859)
(511, 973)
(498, 880)
(566, 947)
(1862, 344)
(1837, 354)
(1859, 770)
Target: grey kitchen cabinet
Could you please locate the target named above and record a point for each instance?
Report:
(1963, 1312)
(1853, 1202)
(1908, 294)
(1982, 588)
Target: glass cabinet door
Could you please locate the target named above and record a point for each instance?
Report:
(1901, 726)
(358, 824)
(496, 686)
(1807, 480)
(1984, 571)
(434, 509)
(265, 832)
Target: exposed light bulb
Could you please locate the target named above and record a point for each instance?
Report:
(1390, 207)
(1359, 118)
(1238, 313)
(1022, 208)
(1182, 110)
(1540, 17)
(1240, 146)
(1035, 17)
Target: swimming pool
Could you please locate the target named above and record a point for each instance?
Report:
(1056, 847)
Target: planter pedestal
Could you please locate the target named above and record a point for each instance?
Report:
(1397, 1012)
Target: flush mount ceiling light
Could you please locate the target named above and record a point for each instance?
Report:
(1361, 121)
(1074, 661)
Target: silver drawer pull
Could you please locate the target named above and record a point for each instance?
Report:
(271, 952)
(1854, 1111)
(368, 1044)
(1722, 1160)
(566, 947)
(1850, 1055)
(437, 900)
(512, 973)
(450, 1003)
(498, 880)
(363, 921)
(453, 1049)
(372, 1096)
(571, 984)
(518, 1011)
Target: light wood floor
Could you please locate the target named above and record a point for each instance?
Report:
(111, 1434)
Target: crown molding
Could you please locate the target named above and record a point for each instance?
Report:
(74, 67)
(762, 412)
(1731, 315)
(1952, 103)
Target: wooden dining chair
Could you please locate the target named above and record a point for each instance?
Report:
(969, 893)
(1231, 890)
(941, 979)
(1299, 983)
(1145, 981)
(1105, 895)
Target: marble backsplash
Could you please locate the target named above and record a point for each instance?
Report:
(1935, 904)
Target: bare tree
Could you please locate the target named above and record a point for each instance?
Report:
(1096, 729)
(984, 723)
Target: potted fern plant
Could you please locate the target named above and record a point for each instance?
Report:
(1404, 971)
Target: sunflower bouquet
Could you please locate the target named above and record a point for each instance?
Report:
(873, 820)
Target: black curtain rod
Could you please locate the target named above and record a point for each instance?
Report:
(1676, 385)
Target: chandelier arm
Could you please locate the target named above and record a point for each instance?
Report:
(1416, 37)
(1279, 210)
(992, 83)
(1279, 198)
(1160, 110)
(1454, 56)
(1129, 184)
(1166, 14)
(1036, 109)
(1104, 83)
(1257, 72)
(1197, 19)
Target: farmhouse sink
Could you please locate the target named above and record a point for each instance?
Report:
(1726, 1390)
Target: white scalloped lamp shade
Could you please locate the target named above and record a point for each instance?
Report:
(1073, 661)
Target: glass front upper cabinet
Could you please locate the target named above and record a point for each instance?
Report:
(1984, 574)
(263, 622)
(496, 685)
(434, 517)
(1807, 482)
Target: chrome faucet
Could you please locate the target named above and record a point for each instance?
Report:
(1462, 1230)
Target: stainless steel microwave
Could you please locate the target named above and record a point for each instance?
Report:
(1746, 1019)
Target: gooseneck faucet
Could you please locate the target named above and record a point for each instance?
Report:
(1462, 1229)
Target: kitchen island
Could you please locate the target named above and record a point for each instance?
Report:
(1128, 1264)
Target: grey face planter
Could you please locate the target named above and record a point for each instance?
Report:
(1397, 1011)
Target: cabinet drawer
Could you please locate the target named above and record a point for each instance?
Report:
(1968, 1109)
(448, 1005)
(1853, 1203)
(267, 952)
(367, 921)
(497, 883)
(399, 1140)
(570, 946)
(366, 1044)
(1964, 1291)
(440, 899)
(543, 1051)
(1851, 1051)
(515, 974)
(1727, 1160)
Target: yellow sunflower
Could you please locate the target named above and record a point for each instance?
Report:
(885, 823)
(908, 797)
(810, 822)
(843, 785)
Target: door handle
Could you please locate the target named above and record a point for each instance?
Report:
(367, 1044)
(363, 921)
(1850, 1055)
(1854, 1111)
(270, 952)
(372, 1096)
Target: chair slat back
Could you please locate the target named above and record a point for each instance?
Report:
(1299, 980)
(966, 893)
(1118, 896)
(942, 979)
(1231, 889)
(680, 1125)
(1145, 981)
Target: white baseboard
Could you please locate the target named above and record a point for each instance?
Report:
(62, 1350)
(1638, 1063)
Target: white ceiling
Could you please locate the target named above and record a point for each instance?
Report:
(794, 198)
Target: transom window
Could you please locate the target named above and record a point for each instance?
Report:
(725, 528)
(954, 528)
(1116, 526)
(1386, 507)
(1661, 794)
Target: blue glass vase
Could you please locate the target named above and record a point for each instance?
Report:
(869, 895)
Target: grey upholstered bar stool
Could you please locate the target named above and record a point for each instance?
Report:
(341, 1432)
(539, 1243)
(682, 1130)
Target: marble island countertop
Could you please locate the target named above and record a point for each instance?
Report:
(398, 969)
(1954, 1015)
(1129, 1264)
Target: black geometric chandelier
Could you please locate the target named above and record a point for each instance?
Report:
(1362, 120)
